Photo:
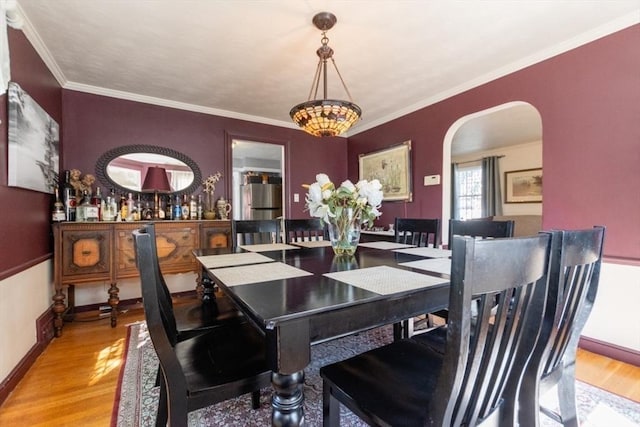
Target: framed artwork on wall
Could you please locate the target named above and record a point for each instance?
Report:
(392, 167)
(34, 144)
(523, 186)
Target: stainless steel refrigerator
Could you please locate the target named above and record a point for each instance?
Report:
(261, 201)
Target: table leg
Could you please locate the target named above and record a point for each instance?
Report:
(288, 399)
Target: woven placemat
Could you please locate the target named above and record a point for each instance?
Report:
(313, 243)
(256, 273)
(437, 265)
(385, 280)
(268, 247)
(229, 260)
(385, 245)
(427, 252)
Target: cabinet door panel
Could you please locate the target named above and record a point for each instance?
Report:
(86, 255)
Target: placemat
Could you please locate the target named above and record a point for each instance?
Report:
(313, 243)
(427, 252)
(229, 260)
(385, 245)
(255, 273)
(385, 280)
(268, 247)
(437, 265)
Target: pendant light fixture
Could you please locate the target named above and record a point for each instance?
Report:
(325, 117)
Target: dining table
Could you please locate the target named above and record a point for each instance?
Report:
(301, 294)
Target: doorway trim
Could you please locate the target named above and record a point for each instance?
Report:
(446, 159)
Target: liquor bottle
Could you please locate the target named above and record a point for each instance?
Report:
(200, 207)
(96, 200)
(131, 206)
(147, 212)
(68, 195)
(57, 214)
(177, 209)
(161, 208)
(168, 209)
(86, 211)
(124, 211)
(184, 213)
(110, 208)
(193, 208)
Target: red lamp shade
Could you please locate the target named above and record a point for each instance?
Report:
(156, 180)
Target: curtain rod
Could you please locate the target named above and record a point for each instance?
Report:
(477, 160)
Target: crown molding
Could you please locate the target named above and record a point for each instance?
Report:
(34, 38)
(96, 90)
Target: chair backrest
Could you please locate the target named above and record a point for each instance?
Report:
(158, 312)
(417, 231)
(300, 230)
(574, 277)
(480, 228)
(481, 368)
(252, 232)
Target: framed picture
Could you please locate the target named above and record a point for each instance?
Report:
(392, 167)
(34, 144)
(523, 186)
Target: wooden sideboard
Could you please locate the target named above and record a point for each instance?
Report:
(91, 252)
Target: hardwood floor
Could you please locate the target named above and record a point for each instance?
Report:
(73, 382)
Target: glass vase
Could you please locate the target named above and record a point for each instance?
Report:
(344, 232)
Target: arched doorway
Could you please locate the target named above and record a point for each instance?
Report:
(504, 125)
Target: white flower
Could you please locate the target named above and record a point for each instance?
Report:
(324, 200)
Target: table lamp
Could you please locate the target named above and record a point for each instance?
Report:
(156, 181)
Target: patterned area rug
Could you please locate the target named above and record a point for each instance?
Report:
(137, 397)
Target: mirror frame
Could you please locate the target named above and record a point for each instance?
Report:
(106, 158)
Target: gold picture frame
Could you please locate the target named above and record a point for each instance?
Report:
(523, 186)
(392, 167)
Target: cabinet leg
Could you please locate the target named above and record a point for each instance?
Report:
(113, 302)
(58, 309)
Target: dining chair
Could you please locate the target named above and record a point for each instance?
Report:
(574, 276)
(479, 229)
(406, 383)
(225, 362)
(417, 232)
(308, 229)
(197, 316)
(255, 232)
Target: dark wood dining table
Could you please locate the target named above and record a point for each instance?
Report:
(294, 313)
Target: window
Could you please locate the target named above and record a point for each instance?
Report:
(469, 192)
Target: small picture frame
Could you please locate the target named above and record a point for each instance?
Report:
(392, 167)
(523, 186)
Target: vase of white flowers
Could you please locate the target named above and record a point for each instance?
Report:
(209, 188)
(344, 209)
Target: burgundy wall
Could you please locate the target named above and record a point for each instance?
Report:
(95, 124)
(26, 215)
(589, 101)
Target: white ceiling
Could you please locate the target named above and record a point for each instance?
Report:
(254, 60)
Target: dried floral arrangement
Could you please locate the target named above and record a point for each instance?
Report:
(81, 183)
(209, 184)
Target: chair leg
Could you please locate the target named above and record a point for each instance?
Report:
(397, 331)
(255, 399)
(330, 407)
(161, 416)
(567, 397)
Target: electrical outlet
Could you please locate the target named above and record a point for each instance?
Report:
(296, 198)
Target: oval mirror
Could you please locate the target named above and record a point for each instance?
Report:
(125, 168)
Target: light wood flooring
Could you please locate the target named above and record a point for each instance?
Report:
(73, 382)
